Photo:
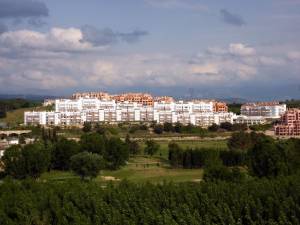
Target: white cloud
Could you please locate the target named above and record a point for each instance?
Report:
(57, 40)
(38, 65)
(207, 68)
(241, 50)
(182, 4)
(294, 55)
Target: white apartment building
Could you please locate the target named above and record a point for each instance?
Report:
(74, 112)
(272, 110)
(249, 120)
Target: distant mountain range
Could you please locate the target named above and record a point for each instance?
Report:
(28, 97)
(233, 100)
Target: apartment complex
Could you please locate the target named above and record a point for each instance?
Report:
(272, 110)
(144, 99)
(74, 112)
(289, 124)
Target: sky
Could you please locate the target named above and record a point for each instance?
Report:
(184, 48)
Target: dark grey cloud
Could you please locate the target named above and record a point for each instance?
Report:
(134, 36)
(12, 9)
(98, 37)
(3, 28)
(106, 36)
(231, 18)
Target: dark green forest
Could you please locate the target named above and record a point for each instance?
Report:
(259, 201)
(255, 181)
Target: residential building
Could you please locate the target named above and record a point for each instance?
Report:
(289, 124)
(272, 110)
(97, 95)
(249, 120)
(74, 112)
(220, 107)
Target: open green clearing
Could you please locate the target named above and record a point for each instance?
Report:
(154, 169)
(214, 144)
(139, 169)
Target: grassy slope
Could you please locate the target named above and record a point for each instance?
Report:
(16, 117)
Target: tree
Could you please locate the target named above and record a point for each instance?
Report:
(14, 164)
(28, 161)
(240, 141)
(133, 146)
(213, 128)
(220, 172)
(175, 155)
(151, 147)
(87, 127)
(226, 126)
(266, 159)
(158, 129)
(178, 127)
(37, 158)
(291, 149)
(92, 142)
(87, 164)
(116, 153)
(22, 139)
(100, 129)
(62, 152)
(168, 127)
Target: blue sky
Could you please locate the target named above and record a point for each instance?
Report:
(229, 48)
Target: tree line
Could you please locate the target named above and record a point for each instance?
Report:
(262, 155)
(13, 104)
(86, 157)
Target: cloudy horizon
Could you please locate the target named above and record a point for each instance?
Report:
(171, 47)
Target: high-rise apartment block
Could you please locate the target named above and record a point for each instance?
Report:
(289, 123)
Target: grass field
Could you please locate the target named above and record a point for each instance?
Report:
(139, 169)
(154, 169)
(163, 151)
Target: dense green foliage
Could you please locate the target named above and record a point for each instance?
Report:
(86, 164)
(13, 104)
(293, 103)
(241, 141)
(62, 152)
(202, 157)
(235, 107)
(56, 153)
(179, 128)
(28, 161)
(151, 147)
(253, 202)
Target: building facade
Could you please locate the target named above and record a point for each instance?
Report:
(74, 112)
(272, 110)
(289, 124)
